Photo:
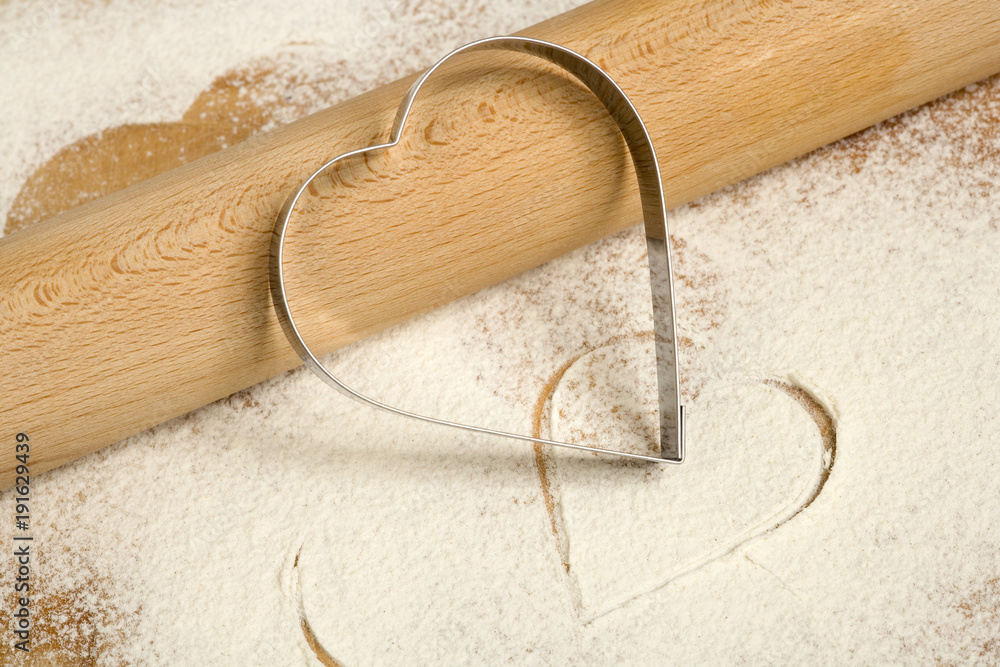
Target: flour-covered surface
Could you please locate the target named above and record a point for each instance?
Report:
(838, 321)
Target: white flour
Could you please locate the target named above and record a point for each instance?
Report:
(854, 289)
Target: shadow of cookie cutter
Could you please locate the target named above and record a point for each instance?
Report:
(654, 211)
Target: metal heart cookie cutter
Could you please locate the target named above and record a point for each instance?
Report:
(654, 210)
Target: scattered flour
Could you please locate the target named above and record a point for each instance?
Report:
(840, 350)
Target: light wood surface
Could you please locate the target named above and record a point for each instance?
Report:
(153, 301)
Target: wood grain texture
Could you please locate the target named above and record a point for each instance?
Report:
(152, 301)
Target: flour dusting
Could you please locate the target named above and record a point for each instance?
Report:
(839, 352)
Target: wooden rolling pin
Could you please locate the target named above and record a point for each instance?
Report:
(153, 301)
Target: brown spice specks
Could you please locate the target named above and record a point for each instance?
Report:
(75, 620)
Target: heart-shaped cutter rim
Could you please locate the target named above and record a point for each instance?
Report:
(625, 115)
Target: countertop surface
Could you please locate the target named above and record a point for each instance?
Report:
(840, 365)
